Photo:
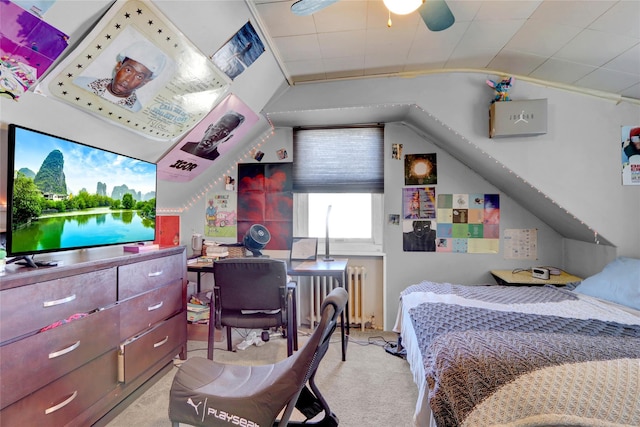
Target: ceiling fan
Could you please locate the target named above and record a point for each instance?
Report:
(435, 13)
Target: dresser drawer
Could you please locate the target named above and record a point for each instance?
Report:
(27, 309)
(54, 353)
(139, 313)
(60, 402)
(144, 351)
(143, 276)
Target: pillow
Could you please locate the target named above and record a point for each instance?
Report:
(618, 282)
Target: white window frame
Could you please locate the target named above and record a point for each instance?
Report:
(341, 246)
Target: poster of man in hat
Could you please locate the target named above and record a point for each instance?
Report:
(135, 68)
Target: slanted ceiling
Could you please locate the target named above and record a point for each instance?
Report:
(209, 25)
(431, 129)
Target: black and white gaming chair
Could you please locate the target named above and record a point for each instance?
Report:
(206, 393)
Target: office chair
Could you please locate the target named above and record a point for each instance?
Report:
(253, 293)
(208, 394)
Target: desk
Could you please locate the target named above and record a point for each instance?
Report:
(337, 270)
(523, 278)
(199, 268)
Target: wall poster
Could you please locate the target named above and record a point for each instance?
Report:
(630, 155)
(419, 202)
(521, 244)
(265, 197)
(239, 52)
(137, 70)
(28, 47)
(214, 136)
(420, 169)
(221, 215)
(468, 223)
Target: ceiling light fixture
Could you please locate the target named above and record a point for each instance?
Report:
(402, 7)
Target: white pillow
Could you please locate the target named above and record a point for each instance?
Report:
(618, 282)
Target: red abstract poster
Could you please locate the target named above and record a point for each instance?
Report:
(265, 197)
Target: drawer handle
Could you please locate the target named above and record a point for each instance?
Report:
(155, 307)
(155, 274)
(61, 404)
(159, 343)
(64, 350)
(59, 301)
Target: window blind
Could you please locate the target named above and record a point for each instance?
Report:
(338, 160)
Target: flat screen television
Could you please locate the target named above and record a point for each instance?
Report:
(64, 195)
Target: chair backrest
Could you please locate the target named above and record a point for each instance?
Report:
(250, 283)
(332, 306)
(308, 358)
(302, 366)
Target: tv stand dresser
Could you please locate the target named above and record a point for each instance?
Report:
(80, 341)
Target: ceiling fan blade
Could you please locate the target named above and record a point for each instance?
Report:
(436, 14)
(309, 7)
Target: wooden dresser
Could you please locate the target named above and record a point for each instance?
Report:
(129, 324)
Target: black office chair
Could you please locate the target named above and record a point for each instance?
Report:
(253, 293)
(208, 394)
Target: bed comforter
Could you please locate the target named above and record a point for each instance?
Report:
(523, 356)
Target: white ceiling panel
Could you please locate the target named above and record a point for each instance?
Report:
(561, 42)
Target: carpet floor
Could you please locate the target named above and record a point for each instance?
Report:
(371, 388)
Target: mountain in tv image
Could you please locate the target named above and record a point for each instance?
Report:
(67, 205)
(50, 179)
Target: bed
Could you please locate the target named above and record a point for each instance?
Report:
(524, 356)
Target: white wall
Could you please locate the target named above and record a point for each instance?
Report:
(577, 163)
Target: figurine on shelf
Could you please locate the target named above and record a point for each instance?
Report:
(501, 89)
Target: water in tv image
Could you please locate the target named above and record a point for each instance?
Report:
(67, 195)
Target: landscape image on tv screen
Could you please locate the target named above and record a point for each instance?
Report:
(66, 195)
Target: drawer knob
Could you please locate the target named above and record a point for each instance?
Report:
(59, 301)
(155, 274)
(61, 404)
(64, 350)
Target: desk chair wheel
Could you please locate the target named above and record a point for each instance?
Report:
(265, 336)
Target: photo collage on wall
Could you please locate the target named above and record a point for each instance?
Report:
(468, 223)
(457, 223)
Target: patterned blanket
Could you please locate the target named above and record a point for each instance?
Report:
(524, 356)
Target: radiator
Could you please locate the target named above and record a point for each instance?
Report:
(355, 285)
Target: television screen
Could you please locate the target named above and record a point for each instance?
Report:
(65, 195)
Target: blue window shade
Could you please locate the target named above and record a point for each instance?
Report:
(338, 160)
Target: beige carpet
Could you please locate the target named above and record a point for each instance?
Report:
(371, 388)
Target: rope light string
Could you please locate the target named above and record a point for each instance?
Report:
(220, 178)
(271, 132)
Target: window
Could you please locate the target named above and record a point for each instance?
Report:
(343, 160)
(341, 168)
(355, 220)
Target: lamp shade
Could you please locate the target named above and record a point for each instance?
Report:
(256, 238)
(402, 7)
